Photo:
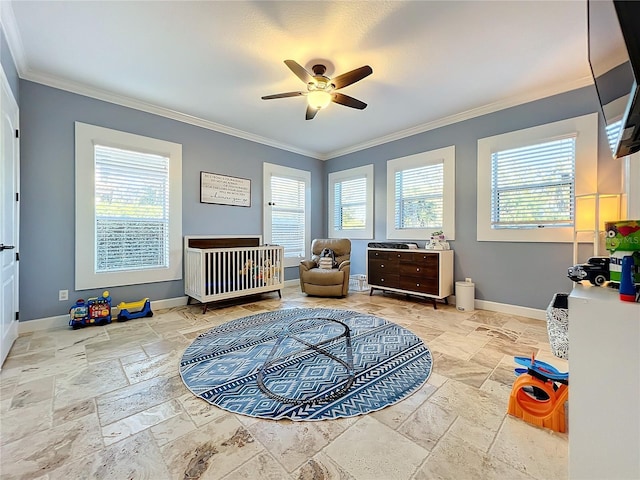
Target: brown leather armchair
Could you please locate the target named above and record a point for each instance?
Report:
(324, 282)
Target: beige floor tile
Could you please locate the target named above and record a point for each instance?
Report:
(160, 365)
(454, 458)
(427, 424)
(88, 381)
(261, 467)
(321, 467)
(36, 454)
(212, 451)
(200, 411)
(292, 443)
(476, 405)
(173, 428)
(460, 409)
(73, 411)
(116, 405)
(541, 453)
(371, 450)
(394, 415)
(33, 393)
(457, 345)
(136, 457)
(470, 373)
(128, 426)
(20, 423)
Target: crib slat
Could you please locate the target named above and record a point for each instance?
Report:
(219, 273)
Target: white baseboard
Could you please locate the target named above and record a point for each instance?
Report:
(62, 321)
(506, 308)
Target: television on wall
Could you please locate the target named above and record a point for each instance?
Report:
(614, 57)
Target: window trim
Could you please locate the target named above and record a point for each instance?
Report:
(586, 130)
(446, 155)
(270, 169)
(86, 136)
(334, 178)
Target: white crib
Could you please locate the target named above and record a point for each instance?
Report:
(221, 267)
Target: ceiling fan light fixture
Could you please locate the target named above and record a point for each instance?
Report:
(318, 99)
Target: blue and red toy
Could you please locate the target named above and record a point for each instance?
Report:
(94, 311)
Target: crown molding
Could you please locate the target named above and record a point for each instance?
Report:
(14, 40)
(9, 25)
(129, 102)
(466, 115)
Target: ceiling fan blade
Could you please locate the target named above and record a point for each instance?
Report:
(311, 112)
(353, 76)
(348, 101)
(300, 71)
(283, 95)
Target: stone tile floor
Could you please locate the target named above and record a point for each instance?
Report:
(108, 403)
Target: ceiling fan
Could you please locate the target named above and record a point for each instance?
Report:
(321, 90)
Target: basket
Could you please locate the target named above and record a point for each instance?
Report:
(558, 325)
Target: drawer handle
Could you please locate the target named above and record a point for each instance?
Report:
(382, 265)
(417, 284)
(417, 269)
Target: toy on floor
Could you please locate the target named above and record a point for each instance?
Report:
(539, 394)
(95, 311)
(130, 310)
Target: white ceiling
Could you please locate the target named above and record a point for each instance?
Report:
(208, 63)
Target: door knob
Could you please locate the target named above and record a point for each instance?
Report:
(6, 247)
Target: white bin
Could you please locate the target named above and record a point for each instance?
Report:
(465, 296)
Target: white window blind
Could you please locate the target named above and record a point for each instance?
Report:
(612, 131)
(350, 204)
(533, 186)
(131, 210)
(419, 197)
(288, 215)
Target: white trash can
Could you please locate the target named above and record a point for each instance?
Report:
(465, 296)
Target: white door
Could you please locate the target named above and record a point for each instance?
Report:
(9, 208)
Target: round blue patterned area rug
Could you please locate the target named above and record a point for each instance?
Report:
(306, 364)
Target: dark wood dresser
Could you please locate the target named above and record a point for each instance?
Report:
(426, 273)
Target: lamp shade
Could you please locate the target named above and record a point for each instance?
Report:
(318, 99)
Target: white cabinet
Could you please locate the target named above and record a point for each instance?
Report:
(604, 385)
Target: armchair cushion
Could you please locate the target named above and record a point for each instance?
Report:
(327, 282)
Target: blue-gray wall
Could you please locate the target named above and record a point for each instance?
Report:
(525, 274)
(47, 190)
(8, 65)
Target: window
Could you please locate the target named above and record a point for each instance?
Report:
(421, 195)
(128, 208)
(351, 203)
(287, 216)
(532, 186)
(528, 180)
(612, 130)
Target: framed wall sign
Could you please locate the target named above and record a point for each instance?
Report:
(225, 190)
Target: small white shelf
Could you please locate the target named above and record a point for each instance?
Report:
(591, 212)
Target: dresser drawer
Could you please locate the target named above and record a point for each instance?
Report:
(430, 260)
(382, 279)
(420, 285)
(416, 270)
(382, 255)
(385, 265)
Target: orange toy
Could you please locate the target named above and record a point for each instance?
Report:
(545, 406)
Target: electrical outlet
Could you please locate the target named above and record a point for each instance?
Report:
(63, 295)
